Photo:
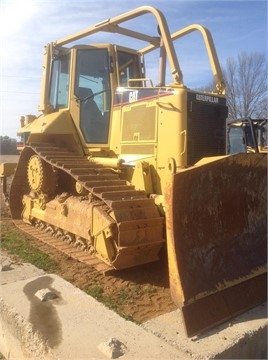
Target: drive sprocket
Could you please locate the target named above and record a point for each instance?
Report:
(41, 177)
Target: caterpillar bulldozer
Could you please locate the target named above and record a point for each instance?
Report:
(117, 168)
(247, 135)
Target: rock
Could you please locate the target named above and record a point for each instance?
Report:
(45, 295)
(113, 348)
(5, 265)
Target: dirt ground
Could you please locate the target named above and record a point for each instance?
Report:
(138, 294)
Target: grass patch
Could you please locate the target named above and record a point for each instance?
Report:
(129, 294)
(17, 244)
(97, 293)
(121, 299)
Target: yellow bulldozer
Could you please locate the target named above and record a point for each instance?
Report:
(119, 167)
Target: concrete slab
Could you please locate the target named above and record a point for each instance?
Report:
(245, 337)
(14, 272)
(72, 325)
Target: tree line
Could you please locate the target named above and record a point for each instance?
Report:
(8, 146)
(246, 84)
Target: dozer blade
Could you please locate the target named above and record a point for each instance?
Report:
(216, 218)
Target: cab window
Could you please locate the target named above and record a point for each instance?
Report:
(59, 85)
(128, 68)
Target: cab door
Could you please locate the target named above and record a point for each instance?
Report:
(92, 92)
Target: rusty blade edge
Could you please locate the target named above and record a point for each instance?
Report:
(219, 307)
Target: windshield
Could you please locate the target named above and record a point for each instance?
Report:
(92, 88)
(263, 135)
(249, 136)
(236, 140)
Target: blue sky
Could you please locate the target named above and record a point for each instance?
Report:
(26, 26)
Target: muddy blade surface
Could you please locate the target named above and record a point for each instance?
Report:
(217, 239)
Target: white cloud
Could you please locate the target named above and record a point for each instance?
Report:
(14, 14)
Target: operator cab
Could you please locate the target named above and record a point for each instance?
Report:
(84, 79)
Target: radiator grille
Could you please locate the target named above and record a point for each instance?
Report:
(206, 122)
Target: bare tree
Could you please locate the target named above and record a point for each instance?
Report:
(246, 86)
